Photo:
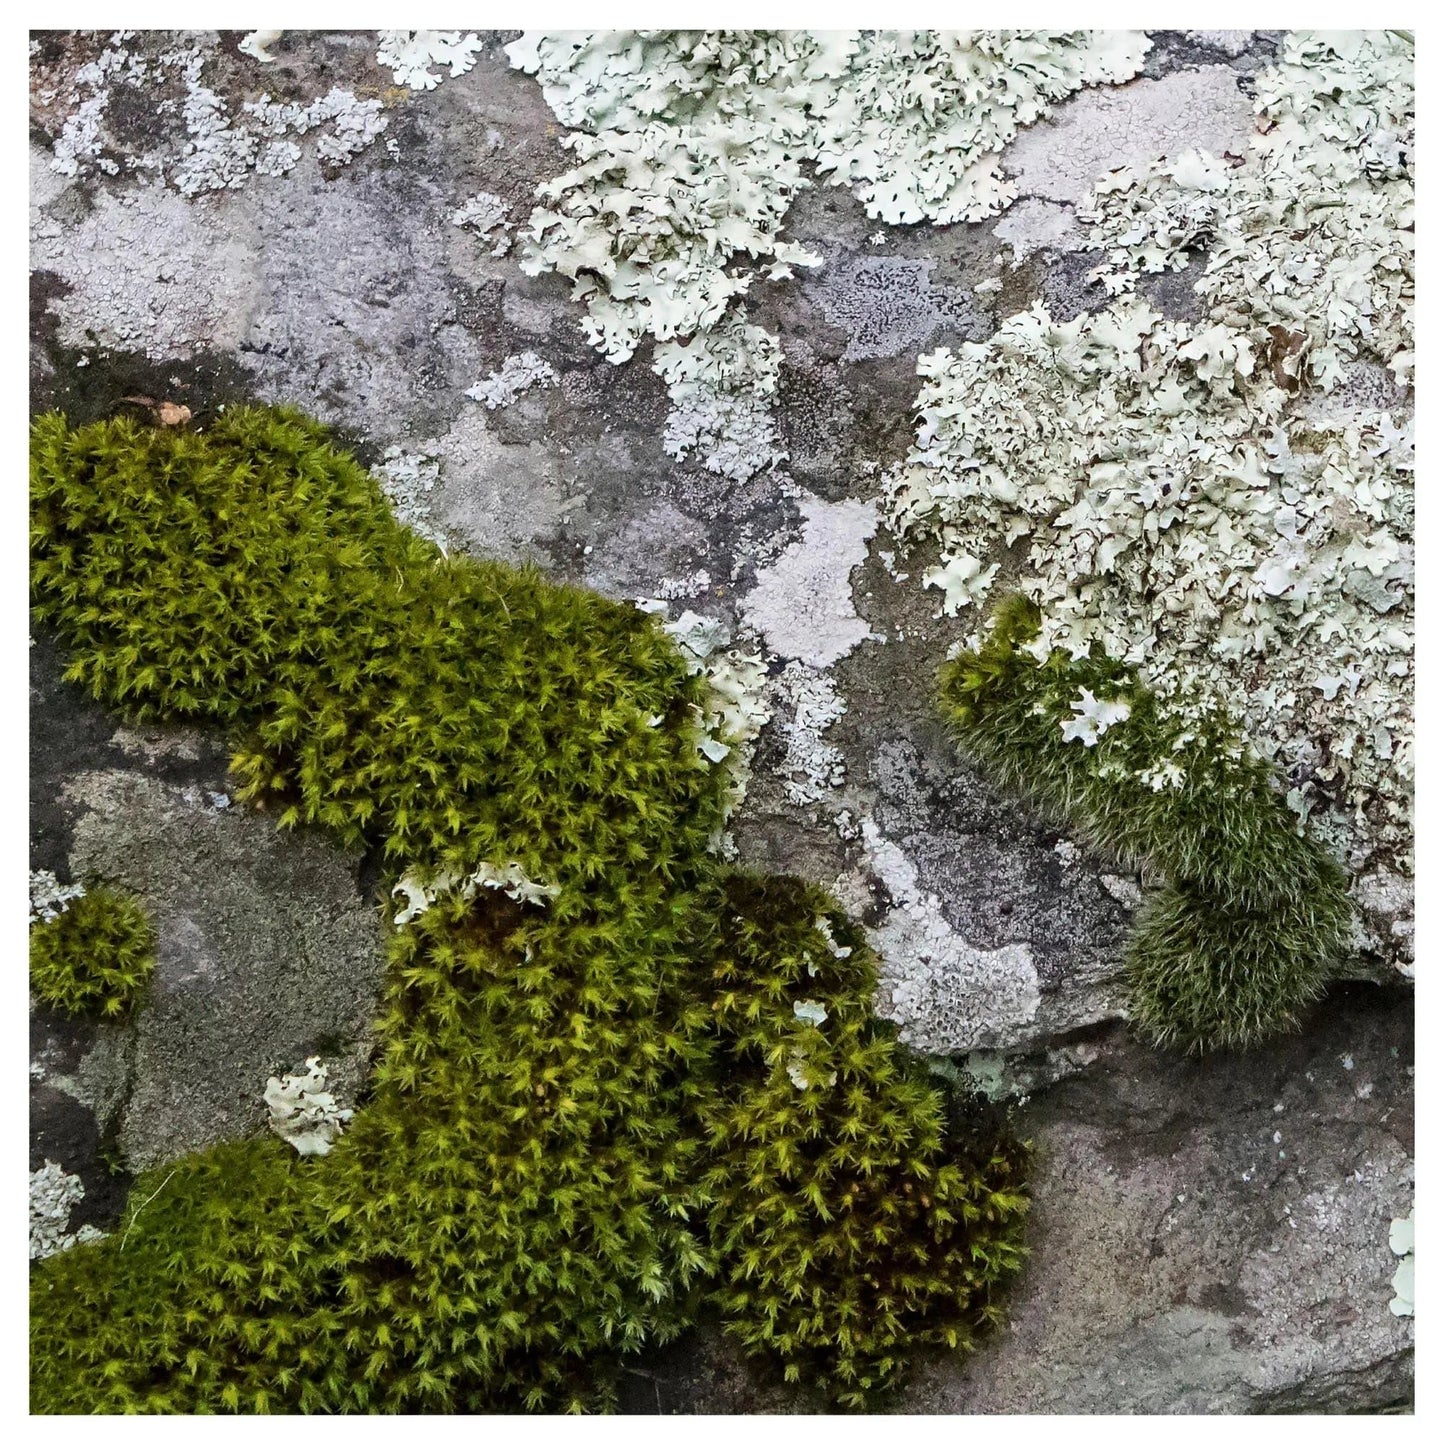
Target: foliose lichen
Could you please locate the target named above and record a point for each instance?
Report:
(410, 55)
(690, 148)
(303, 1111)
(1207, 501)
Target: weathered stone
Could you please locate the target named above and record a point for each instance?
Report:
(351, 294)
(267, 953)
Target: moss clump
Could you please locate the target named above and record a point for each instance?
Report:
(1252, 916)
(852, 1230)
(539, 1180)
(96, 957)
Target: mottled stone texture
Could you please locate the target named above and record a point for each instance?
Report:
(1184, 1260)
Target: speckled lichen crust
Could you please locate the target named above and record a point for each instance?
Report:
(1225, 505)
(213, 149)
(690, 147)
(588, 1027)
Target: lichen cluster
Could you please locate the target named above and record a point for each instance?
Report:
(690, 149)
(214, 148)
(410, 55)
(94, 958)
(615, 1087)
(1247, 918)
(1225, 504)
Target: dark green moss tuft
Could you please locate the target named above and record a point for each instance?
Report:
(1252, 916)
(96, 957)
(850, 1235)
(580, 1123)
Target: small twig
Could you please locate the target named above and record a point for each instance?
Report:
(656, 1383)
(141, 1206)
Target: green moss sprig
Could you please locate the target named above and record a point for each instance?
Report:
(94, 958)
(1250, 917)
(556, 1161)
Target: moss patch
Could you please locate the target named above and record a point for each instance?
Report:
(582, 1123)
(96, 957)
(1252, 916)
(849, 1228)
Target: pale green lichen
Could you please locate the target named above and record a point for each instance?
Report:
(721, 386)
(303, 1111)
(486, 216)
(421, 889)
(690, 148)
(1208, 501)
(735, 708)
(410, 55)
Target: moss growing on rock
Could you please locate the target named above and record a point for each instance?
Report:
(94, 958)
(849, 1229)
(1252, 916)
(544, 1175)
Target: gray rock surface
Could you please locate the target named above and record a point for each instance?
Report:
(1184, 1260)
(266, 954)
(1212, 1238)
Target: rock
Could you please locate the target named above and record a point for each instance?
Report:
(349, 292)
(267, 953)
(1211, 1237)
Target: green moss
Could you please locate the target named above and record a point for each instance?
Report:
(851, 1231)
(545, 1173)
(1251, 916)
(96, 957)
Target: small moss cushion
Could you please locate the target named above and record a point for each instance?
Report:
(94, 958)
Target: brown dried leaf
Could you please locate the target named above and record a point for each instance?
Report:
(1283, 356)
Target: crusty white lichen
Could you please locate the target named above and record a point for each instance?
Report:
(49, 897)
(1060, 160)
(53, 1194)
(515, 375)
(802, 603)
(303, 1112)
(691, 145)
(805, 704)
(1225, 505)
(214, 148)
(408, 479)
(888, 305)
(945, 995)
